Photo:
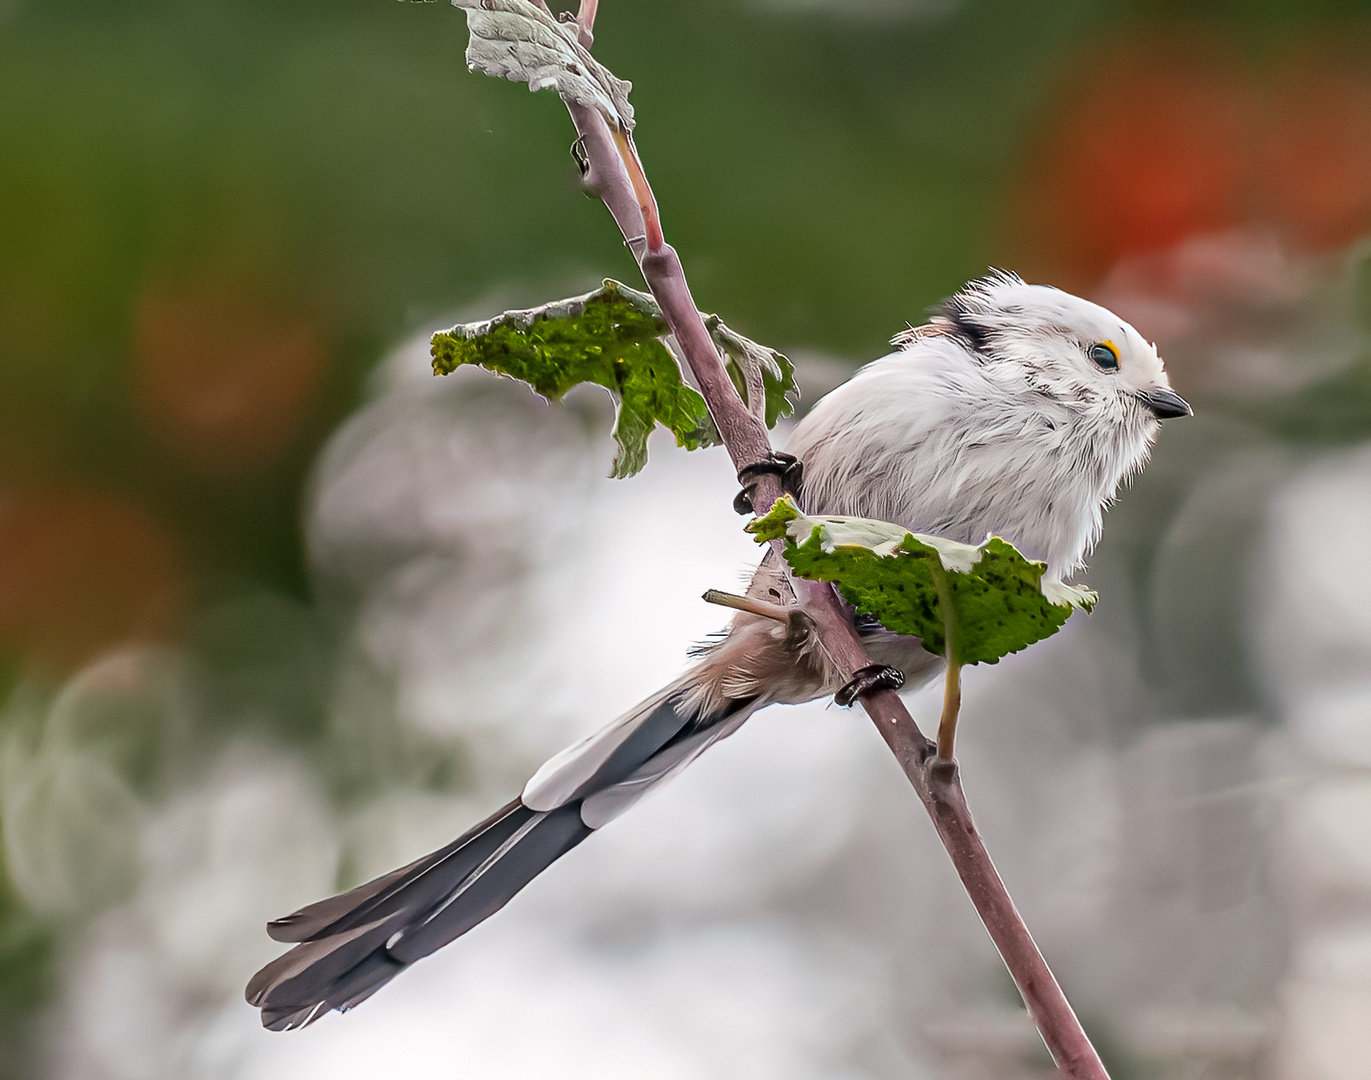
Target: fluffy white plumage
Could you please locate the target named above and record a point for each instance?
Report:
(992, 418)
(1017, 410)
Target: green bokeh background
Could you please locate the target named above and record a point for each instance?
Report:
(824, 178)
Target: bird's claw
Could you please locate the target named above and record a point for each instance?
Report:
(874, 677)
(787, 466)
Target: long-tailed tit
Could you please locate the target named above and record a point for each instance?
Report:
(1016, 410)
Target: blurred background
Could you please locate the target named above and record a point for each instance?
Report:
(279, 610)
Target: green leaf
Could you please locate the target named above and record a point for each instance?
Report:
(987, 598)
(611, 337)
(522, 42)
(748, 363)
(615, 337)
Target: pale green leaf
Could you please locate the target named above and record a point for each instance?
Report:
(987, 598)
(519, 41)
(611, 337)
(614, 337)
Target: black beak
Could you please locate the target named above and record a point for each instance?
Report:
(1164, 403)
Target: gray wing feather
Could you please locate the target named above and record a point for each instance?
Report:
(605, 805)
(610, 754)
(423, 882)
(554, 835)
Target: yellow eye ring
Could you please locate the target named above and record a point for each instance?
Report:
(1105, 356)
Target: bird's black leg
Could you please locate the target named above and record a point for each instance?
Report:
(787, 466)
(874, 677)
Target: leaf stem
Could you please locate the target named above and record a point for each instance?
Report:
(952, 684)
(952, 704)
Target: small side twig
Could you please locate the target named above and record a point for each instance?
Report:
(760, 608)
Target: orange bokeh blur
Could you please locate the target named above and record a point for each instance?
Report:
(81, 571)
(1153, 141)
(225, 379)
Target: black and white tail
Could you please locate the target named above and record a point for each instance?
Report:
(349, 946)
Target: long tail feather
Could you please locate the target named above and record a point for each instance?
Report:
(347, 947)
(404, 916)
(414, 887)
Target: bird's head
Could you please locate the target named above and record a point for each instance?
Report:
(1071, 349)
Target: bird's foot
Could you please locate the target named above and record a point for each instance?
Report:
(874, 677)
(787, 466)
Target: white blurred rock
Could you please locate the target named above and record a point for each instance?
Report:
(400, 826)
(468, 464)
(1333, 723)
(70, 829)
(1334, 955)
(69, 812)
(1314, 600)
(249, 845)
(147, 994)
(1197, 1039)
(1325, 1035)
(1329, 839)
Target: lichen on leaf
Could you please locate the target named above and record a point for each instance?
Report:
(987, 598)
(611, 337)
(614, 337)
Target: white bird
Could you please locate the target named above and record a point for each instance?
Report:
(1017, 410)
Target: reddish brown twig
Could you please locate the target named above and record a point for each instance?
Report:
(615, 174)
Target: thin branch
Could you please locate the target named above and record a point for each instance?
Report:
(585, 21)
(647, 202)
(616, 176)
(606, 176)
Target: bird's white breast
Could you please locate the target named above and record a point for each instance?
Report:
(939, 441)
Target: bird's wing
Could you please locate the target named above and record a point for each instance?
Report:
(628, 741)
(608, 803)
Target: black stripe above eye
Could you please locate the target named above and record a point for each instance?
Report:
(962, 324)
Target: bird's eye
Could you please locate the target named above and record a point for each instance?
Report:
(1105, 356)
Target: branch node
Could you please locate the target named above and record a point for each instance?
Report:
(943, 776)
(578, 152)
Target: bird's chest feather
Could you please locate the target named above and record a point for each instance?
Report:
(1019, 476)
(1020, 470)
